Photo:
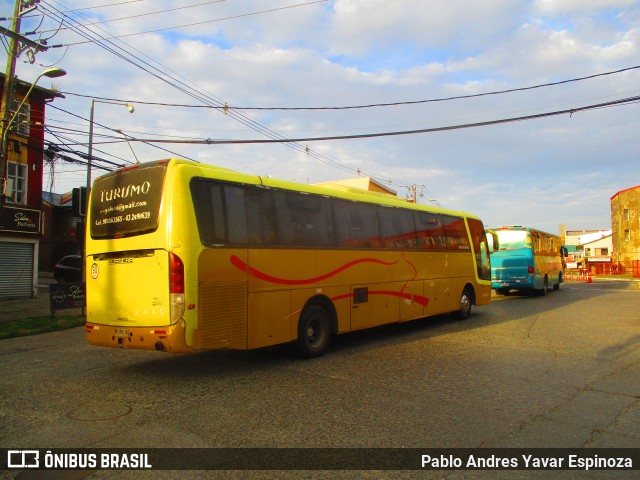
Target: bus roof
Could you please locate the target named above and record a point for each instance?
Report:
(349, 193)
(520, 227)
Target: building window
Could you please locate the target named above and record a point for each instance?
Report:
(17, 176)
(626, 214)
(587, 252)
(22, 118)
(627, 235)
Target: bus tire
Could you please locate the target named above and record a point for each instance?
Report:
(314, 332)
(545, 287)
(466, 300)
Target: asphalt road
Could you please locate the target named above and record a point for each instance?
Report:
(526, 371)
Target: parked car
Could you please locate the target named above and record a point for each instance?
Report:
(68, 269)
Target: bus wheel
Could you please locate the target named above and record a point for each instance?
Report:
(465, 304)
(314, 332)
(545, 287)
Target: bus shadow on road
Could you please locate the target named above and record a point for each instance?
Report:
(514, 307)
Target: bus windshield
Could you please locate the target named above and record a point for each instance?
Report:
(127, 202)
(512, 239)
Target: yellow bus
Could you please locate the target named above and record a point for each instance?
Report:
(183, 257)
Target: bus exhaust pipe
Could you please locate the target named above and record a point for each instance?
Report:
(159, 347)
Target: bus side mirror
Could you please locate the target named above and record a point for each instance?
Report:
(492, 241)
(564, 251)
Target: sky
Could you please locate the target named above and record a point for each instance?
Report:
(274, 55)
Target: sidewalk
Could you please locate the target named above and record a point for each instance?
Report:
(34, 307)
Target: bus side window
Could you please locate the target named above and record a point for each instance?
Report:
(457, 238)
(397, 229)
(480, 246)
(209, 209)
(356, 224)
(236, 214)
(261, 216)
(304, 220)
(430, 231)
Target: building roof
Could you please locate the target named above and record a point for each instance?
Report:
(57, 199)
(592, 237)
(598, 239)
(625, 190)
(23, 87)
(361, 183)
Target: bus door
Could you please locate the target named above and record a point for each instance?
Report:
(436, 292)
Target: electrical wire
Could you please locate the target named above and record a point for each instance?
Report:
(209, 100)
(113, 130)
(203, 22)
(569, 112)
(87, 8)
(227, 108)
(138, 15)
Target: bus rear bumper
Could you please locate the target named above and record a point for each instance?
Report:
(169, 339)
(515, 284)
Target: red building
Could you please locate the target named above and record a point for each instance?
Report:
(21, 212)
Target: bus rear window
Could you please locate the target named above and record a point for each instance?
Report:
(513, 239)
(127, 202)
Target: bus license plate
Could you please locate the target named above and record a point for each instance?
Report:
(505, 284)
(121, 332)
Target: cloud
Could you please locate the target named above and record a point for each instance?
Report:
(350, 52)
(579, 7)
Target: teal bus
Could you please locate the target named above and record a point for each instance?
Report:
(527, 259)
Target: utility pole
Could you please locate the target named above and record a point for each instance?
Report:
(7, 96)
(21, 7)
(415, 191)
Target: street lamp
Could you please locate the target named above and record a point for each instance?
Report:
(90, 152)
(89, 162)
(53, 72)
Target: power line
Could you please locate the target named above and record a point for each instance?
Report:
(446, 99)
(203, 22)
(175, 80)
(113, 130)
(135, 16)
(570, 112)
(207, 99)
(93, 8)
(227, 108)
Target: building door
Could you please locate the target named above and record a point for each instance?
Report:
(16, 269)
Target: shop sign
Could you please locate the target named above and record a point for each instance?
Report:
(21, 220)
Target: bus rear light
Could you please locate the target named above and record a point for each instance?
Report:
(530, 270)
(176, 287)
(176, 274)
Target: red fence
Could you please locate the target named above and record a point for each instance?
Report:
(627, 268)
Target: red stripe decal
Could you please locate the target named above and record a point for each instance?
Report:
(424, 301)
(241, 265)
